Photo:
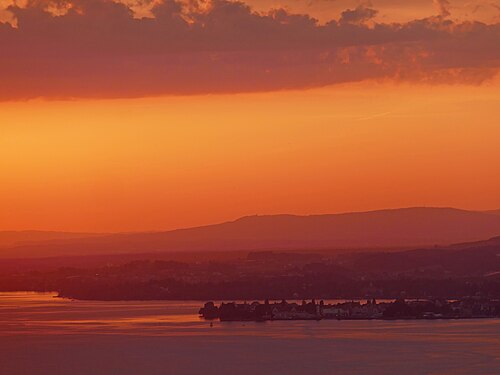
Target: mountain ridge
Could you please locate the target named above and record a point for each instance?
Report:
(404, 227)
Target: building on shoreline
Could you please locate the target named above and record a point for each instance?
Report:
(353, 310)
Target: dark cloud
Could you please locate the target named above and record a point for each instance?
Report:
(97, 48)
(357, 16)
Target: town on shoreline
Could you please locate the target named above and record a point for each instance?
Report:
(467, 308)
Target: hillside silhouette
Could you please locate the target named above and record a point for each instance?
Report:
(472, 259)
(396, 228)
(25, 237)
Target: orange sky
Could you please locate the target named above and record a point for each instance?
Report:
(205, 111)
(324, 10)
(389, 10)
(160, 163)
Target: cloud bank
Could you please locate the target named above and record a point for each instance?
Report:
(100, 49)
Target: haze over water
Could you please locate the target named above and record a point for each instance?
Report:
(41, 334)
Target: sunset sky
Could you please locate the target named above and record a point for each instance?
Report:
(119, 116)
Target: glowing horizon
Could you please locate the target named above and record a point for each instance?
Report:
(118, 118)
(164, 163)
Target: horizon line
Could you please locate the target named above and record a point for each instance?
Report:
(248, 216)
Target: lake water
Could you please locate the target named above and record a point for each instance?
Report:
(41, 334)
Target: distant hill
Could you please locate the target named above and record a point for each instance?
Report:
(494, 212)
(475, 259)
(16, 238)
(408, 227)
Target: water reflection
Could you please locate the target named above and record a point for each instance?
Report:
(448, 346)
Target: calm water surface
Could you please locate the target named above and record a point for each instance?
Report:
(41, 334)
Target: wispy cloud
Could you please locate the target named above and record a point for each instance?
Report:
(375, 116)
(442, 7)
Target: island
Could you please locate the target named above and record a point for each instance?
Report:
(468, 308)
